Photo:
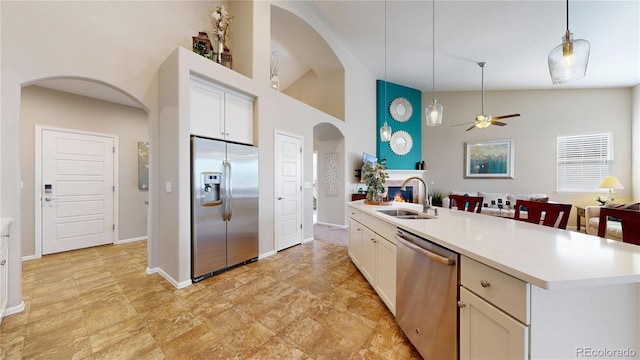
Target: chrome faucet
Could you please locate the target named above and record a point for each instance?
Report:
(426, 203)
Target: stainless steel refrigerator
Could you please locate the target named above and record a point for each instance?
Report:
(224, 206)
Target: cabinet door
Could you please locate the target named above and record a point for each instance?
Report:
(355, 241)
(238, 115)
(4, 279)
(367, 262)
(488, 333)
(386, 272)
(206, 109)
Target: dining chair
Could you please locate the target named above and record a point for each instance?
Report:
(544, 213)
(630, 220)
(468, 203)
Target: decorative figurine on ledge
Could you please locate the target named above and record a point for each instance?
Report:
(202, 45)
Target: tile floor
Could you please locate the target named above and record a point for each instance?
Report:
(306, 302)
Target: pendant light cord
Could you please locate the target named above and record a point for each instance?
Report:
(385, 61)
(433, 51)
(567, 15)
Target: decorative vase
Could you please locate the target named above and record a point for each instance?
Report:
(219, 52)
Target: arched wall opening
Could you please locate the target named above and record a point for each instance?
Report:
(307, 67)
(328, 143)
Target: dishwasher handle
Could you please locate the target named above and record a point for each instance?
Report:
(433, 256)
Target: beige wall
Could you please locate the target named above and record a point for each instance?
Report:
(545, 116)
(324, 93)
(45, 107)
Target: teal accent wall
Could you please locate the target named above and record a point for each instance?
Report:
(412, 126)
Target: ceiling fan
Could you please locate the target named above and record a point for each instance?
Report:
(482, 121)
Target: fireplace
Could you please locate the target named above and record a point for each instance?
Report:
(398, 177)
(396, 194)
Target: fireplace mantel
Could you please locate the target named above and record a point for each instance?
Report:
(403, 174)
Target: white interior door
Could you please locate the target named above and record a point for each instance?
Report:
(77, 190)
(288, 201)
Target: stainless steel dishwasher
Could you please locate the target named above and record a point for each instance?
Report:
(426, 295)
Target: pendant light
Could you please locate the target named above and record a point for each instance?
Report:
(385, 130)
(568, 61)
(433, 112)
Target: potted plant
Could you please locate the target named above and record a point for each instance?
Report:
(375, 177)
(436, 199)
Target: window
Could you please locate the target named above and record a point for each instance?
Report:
(583, 161)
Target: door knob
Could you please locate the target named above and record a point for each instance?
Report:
(461, 304)
(49, 198)
(280, 198)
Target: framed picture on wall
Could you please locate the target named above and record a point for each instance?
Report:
(489, 159)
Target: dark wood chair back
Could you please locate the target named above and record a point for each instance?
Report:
(461, 201)
(545, 213)
(630, 220)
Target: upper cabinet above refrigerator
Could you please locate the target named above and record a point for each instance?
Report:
(219, 113)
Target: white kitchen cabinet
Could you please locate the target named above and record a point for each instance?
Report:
(385, 275)
(486, 332)
(355, 241)
(494, 313)
(374, 255)
(219, 113)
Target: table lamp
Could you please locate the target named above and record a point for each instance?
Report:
(611, 183)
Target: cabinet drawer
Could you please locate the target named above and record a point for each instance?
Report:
(504, 291)
(357, 215)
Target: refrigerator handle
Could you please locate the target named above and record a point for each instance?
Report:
(230, 196)
(225, 192)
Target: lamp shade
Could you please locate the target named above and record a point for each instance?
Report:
(385, 132)
(610, 182)
(568, 61)
(433, 114)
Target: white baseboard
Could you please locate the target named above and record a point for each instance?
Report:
(172, 281)
(307, 240)
(332, 225)
(30, 257)
(124, 241)
(119, 242)
(15, 309)
(267, 254)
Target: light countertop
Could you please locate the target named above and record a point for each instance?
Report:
(543, 256)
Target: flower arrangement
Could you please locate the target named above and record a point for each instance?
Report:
(375, 177)
(603, 199)
(221, 21)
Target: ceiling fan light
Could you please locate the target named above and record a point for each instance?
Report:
(433, 113)
(385, 132)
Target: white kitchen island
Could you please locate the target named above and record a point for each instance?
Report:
(554, 293)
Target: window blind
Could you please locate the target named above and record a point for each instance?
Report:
(583, 161)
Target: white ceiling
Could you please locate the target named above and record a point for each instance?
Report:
(514, 37)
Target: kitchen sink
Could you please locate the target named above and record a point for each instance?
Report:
(406, 214)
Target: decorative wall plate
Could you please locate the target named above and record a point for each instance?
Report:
(400, 109)
(401, 142)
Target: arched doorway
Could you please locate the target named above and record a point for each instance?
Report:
(329, 183)
(86, 105)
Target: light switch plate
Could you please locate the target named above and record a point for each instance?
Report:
(167, 186)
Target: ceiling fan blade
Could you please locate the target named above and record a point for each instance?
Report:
(504, 116)
(472, 126)
(499, 123)
(473, 122)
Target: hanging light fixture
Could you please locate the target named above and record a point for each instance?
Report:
(385, 130)
(568, 61)
(433, 112)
